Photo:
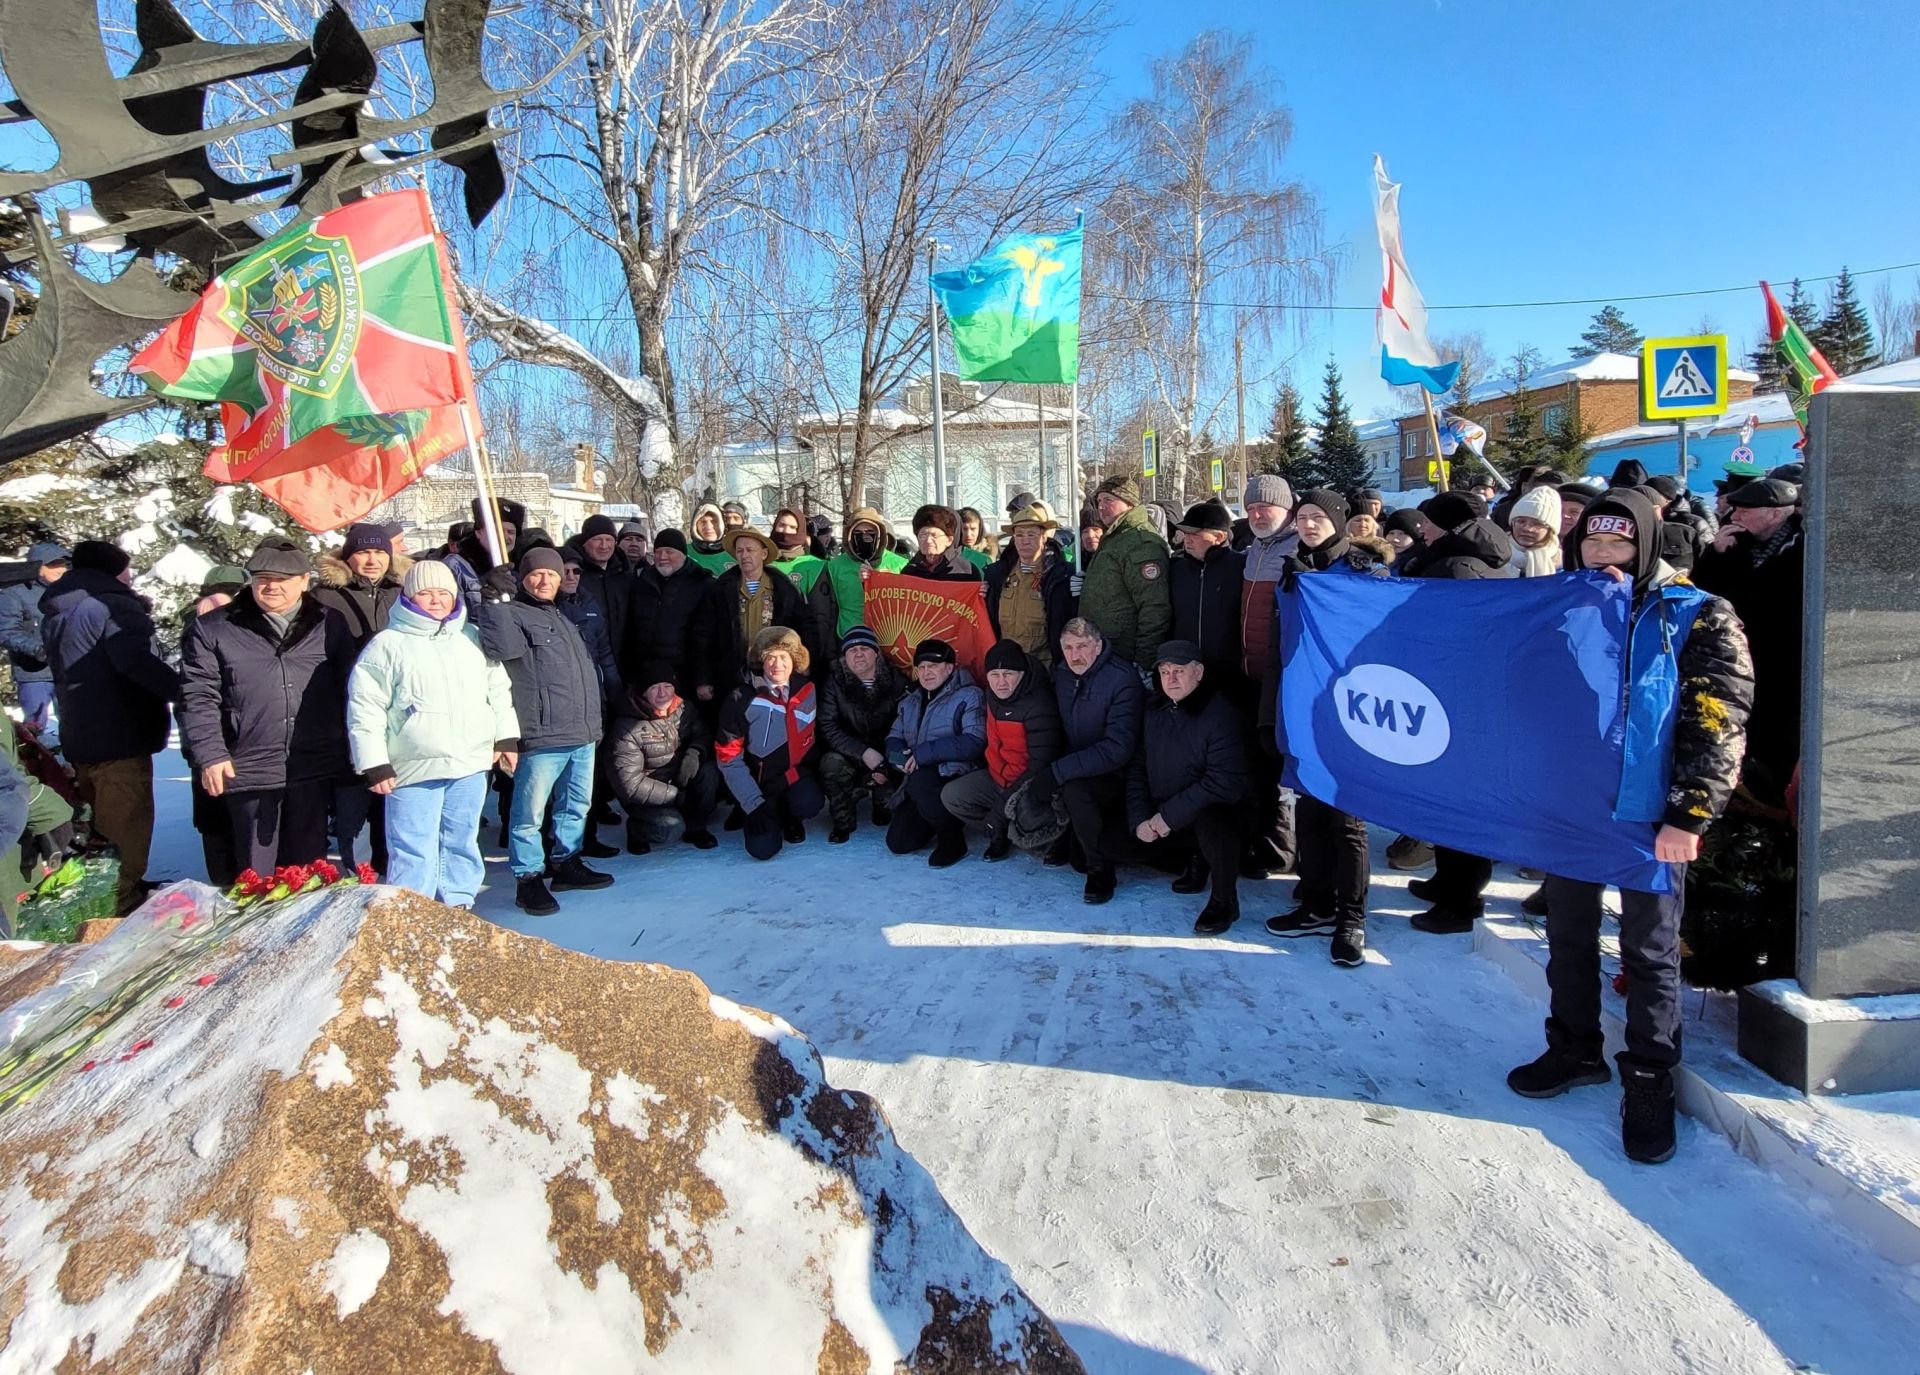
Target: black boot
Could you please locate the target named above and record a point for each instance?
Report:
(1304, 920)
(1444, 921)
(999, 846)
(530, 895)
(595, 848)
(638, 844)
(572, 873)
(1557, 1070)
(1219, 913)
(1534, 904)
(700, 839)
(1058, 852)
(1350, 942)
(1646, 1113)
(840, 834)
(1193, 879)
(1425, 889)
(794, 830)
(1099, 884)
(735, 820)
(948, 849)
(882, 813)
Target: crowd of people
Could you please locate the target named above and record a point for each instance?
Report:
(724, 677)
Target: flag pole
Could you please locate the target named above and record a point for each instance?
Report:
(1433, 430)
(939, 418)
(483, 485)
(1072, 484)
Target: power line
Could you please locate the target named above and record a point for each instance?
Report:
(783, 312)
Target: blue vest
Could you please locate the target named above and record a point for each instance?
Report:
(1651, 699)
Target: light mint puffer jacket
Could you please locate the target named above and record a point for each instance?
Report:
(425, 703)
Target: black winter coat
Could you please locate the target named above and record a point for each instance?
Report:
(361, 604)
(611, 589)
(1056, 590)
(275, 705)
(1193, 754)
(595, 634)
(653, 757)
(855, 718)
(1770, 601)
(790, 609)
(1100, 713)
(1478, 549)
(1206, 608)
(1023, 731)
(676, 619)
(556, 684)
(112, 688)
(1710, 733)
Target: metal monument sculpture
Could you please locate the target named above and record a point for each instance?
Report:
(140, 144)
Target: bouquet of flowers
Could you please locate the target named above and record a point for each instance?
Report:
(290, 880)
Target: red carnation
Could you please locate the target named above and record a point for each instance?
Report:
(329, 872)
(248, 878)
(367, 873)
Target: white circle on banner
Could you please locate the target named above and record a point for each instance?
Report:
(1391, 714)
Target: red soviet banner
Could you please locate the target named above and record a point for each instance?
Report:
(903, 611)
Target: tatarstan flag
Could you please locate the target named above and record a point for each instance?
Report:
(1808, 372)
(338, 358)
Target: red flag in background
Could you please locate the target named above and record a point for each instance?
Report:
(337, 354)
(903, 611)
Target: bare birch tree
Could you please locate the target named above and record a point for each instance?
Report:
(1205, 225)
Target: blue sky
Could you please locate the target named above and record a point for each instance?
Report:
(1552, 150)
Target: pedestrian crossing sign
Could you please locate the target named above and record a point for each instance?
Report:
(1149, 454)
(1683, 376)
(1217, 475)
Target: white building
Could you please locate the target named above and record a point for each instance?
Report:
(1380, 442)
(993, 451)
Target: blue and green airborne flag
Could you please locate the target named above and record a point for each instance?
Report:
(1015, 313)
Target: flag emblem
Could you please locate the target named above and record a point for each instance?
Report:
(300, 309)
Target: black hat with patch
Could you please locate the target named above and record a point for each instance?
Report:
(1765, 494)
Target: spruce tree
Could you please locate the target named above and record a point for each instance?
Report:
(1610, 332)
(1521, 441)
(1285, 452)
(1341, 464)
(1845, 334)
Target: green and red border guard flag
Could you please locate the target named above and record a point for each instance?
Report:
(337, 354)
(1808, 372)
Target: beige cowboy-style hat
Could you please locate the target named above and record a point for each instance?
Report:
(1039, 513)
(731, 540)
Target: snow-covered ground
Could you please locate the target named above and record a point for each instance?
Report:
(1228, 1155)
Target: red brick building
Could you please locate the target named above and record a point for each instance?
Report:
(1601, 392)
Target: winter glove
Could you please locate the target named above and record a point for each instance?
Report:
(500, 584)
(1074, 583)
(689, 767)
(1042, 788)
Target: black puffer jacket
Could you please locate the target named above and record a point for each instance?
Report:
(654, 755)
(1193, 754)
(730, 653)
(855, 718)
(1769, 599)
(112, 688)
(362, 605)
(1023, 731)
(556, 684)
(274, 704)
(676, 619)
(1206, 607)
(1476, 549)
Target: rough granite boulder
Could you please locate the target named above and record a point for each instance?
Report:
(359, 1131)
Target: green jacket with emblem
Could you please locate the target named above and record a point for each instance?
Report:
(1125, 589)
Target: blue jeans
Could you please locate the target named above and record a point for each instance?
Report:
(566, 776)
(36, 703)
(432, 845)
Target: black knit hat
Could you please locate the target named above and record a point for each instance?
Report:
(546, 556)
(1451, 510)
(651, 672)
(670, 538)
(858, 635)
(363, 537)
(1622, 511)
(1406, 520)
(100, 557)
(599, 524)
(1577, 492)
(934, 652)
(1007, 654)
(1329, 501)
